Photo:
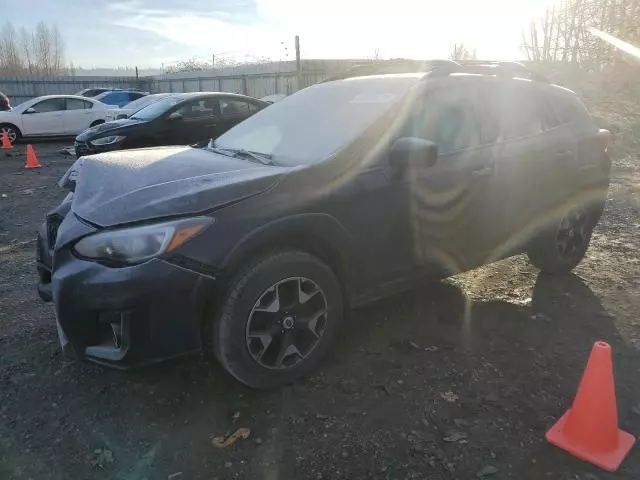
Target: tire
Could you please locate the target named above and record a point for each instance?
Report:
(14, 132)
(562, 246)
(261, 361)
(97, 122)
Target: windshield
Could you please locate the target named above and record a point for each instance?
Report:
(317, 121)
(155, 109)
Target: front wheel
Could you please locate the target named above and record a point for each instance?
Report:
(12, 132)
(562, 247)
(278, 319)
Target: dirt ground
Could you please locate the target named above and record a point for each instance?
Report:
(455, 380)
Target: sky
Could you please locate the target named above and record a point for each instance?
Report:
(149, 33)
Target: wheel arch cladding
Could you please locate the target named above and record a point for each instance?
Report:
(320, 235)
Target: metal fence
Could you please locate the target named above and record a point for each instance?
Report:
(20, 89)
(255, 85)
(256, 80)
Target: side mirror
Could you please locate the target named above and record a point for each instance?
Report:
(175, 116)
(407, 151)
(29, 110)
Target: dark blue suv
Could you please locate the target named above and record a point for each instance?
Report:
(254, 247)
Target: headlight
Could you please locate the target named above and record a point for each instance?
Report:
(138, 244)
(107, 140)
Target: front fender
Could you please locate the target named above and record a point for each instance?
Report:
(323, 227)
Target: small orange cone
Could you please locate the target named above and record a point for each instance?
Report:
(589, 429)
(32, 159)
(6, 143)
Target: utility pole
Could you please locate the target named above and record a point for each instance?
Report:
(137, 78)
(213, 61)
(298, 64)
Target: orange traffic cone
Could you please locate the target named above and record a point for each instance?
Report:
(6, 143)
(589, 429)
(32, 159)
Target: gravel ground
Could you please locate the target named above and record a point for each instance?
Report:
(454, 380)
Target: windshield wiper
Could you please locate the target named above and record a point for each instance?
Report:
(263, 158)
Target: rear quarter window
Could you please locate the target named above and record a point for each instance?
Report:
(569, 109)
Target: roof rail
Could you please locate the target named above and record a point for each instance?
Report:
(489, 67)
(386, 67)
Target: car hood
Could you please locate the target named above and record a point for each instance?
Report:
(135, 185)
(115, 126)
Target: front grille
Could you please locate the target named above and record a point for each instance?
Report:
(53, 223)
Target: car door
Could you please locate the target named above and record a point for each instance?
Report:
(192, 121)
(529, 151)
(452, 207)
(44, 117)
(77, 116)
(426, 219)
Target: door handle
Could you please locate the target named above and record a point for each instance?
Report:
(482, 171)
(212, 125)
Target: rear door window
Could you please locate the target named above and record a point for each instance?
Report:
(254, 107)
(77, 104)
(196, 109)
(524, 111)
(231, 107)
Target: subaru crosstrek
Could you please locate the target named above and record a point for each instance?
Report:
(254, 247)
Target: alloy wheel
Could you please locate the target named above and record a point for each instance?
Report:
(572, 234)
(11, 133)
(286, 323)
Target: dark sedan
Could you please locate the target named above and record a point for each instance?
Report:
(181, 119)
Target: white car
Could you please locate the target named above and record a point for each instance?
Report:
(132, 107)
(52, 115)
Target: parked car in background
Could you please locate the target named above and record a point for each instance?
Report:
(120, 98)
(178, 119)
(92, 92)
(129, 108)
(52, 115)
(5, 104)
(252, 248)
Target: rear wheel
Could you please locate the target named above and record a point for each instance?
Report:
(11, 130)
(278, 319)
(562, 247)
(97, 122)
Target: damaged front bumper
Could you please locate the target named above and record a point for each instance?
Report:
(120, 316)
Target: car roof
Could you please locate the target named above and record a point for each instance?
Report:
(382, 79)
(79, 97)
(471, 70)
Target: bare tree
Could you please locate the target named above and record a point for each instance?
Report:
(562, 34)
(25, 47)
(57, 49)
(38, 52)
(10, 60)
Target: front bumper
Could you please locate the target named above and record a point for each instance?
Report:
(126, 316)
(86, 148)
